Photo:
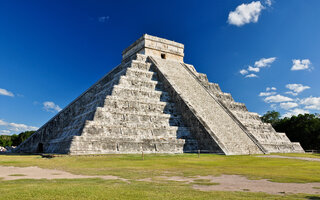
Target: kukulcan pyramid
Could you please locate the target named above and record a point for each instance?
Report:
(155, 103)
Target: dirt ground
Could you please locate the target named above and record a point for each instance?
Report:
(220, 183)
(14, 173)
(240, 183)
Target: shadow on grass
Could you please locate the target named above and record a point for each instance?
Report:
(313, 197)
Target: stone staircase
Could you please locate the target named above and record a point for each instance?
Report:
(264, 133)
(137, 116)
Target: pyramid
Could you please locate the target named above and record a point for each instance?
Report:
(153, 102)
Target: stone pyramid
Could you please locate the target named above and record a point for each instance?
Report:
(155, 103)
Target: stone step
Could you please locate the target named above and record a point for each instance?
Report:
(90, 123)
(129, 82)
(235, 106)
(246, 115)
(214, 87)
(108, 83)
(224, 96)
(128, 139)
(136, 117)
(100, 130)
(203, 77)
(136, 64)
(107, 89)
(260, 126)
(140, 74)
(269, 137)
(140, 57)
(141, 94)
(82, 145)
(283, 136)
(158, 124)
(113, 103)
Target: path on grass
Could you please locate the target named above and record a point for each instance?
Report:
(218, 183)
(240, 183)
(14, 173)
(289, 157)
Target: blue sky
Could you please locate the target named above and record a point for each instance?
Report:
(265, 53)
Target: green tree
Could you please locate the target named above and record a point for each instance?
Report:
(14, 140)
(5, 140)
(271, 117)
(302, 128)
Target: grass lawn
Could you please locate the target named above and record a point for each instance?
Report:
(102, 189)
(133, 167)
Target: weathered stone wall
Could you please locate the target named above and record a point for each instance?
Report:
(57, 134)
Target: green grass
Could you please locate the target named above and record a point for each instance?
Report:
(133, 167)
(102, 189)
(16, 175)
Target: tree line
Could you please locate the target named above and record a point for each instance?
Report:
(14, 140)
(302, 128)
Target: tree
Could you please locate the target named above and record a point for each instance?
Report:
(271, 117)
(302, 128)
(14, 140)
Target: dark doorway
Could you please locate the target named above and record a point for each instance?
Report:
(163, 56)
(40, 148)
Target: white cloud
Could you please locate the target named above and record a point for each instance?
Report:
(271, 88)
(3, 123)
(251, 76)
(300, 64)
(12, 127)
(245, 13)
(6, 92)
(311, 103)
(264, 62)
(292, 93)
(296, 88)
(51, 106)
(288, 105)
(277, 98)
(264, 94)
(295, 112)
(253, 69)
(269, 91)
(243, 72)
